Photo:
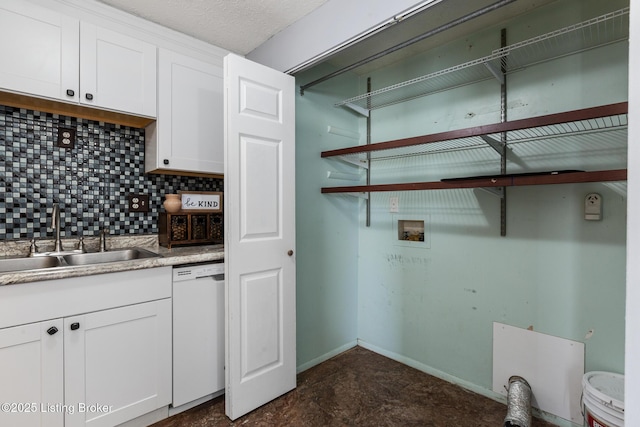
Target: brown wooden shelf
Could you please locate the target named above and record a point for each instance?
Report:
(544, 178)
(574, 121)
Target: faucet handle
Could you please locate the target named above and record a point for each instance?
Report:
(33, 248)
(81, 247)
(103, 239)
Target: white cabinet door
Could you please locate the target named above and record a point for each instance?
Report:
(117, 72)
(260, 235)
(188, 135)
(39, 51)
(48, 54)
(31, 375)
(117, 363)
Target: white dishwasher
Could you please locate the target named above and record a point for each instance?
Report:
(198, 333)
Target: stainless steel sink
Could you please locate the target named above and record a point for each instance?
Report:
(22, 264)
(109, 256)
(51, 260)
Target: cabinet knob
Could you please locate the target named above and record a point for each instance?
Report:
(52, 330)
(290, 252)
(165, 161)
(89, 96)
(75, 326)
(71, 92)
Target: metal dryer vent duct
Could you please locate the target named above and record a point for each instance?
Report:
(518, 403)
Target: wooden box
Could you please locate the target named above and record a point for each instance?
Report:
(190, 228)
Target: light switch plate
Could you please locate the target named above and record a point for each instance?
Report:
(393, 205)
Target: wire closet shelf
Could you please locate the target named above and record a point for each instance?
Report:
(601, 31)
(566, 127)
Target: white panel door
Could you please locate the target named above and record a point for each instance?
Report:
(260, 235)
(31, 375)
(117, 363)
(117, 72)
(39, 51)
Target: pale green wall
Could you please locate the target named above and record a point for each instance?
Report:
(434, 306)
(326, 229)
(553, 271)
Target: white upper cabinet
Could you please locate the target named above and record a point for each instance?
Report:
(188, 136)
(40, 51)
(54, 56)
(117, 72)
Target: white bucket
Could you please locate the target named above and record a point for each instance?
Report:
(603, 399)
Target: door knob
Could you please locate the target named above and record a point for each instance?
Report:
(290, 252)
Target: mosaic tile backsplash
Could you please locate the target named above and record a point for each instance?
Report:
(89, 182)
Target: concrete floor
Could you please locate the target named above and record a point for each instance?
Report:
(361, 388)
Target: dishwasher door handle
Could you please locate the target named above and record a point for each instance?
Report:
(216, 277)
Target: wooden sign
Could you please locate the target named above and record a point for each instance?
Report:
(201, 201)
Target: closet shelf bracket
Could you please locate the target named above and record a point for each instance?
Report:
(360, 162)
(358, 109)
(498, 146)
(499, 75)
(359, 195)
(496, 191)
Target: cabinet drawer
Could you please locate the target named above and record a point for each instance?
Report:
(37, 301)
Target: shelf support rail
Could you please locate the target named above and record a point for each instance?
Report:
(368, 170)
(503, 136)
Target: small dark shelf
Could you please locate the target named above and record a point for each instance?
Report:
(544, 178)
(566, 124)
(553, 124)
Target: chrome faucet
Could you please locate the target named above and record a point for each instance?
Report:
(55, 225)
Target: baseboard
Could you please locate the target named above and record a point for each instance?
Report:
(462, 383)
(193, 404)
(326, 356)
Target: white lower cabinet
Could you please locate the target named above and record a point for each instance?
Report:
(107, 365)
(117, 364)
(32, 375)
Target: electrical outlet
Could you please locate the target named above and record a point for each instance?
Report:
(138, 203)
(393, 205)
(593, 207)
(66, 138)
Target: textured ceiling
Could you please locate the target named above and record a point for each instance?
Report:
(235, 25)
